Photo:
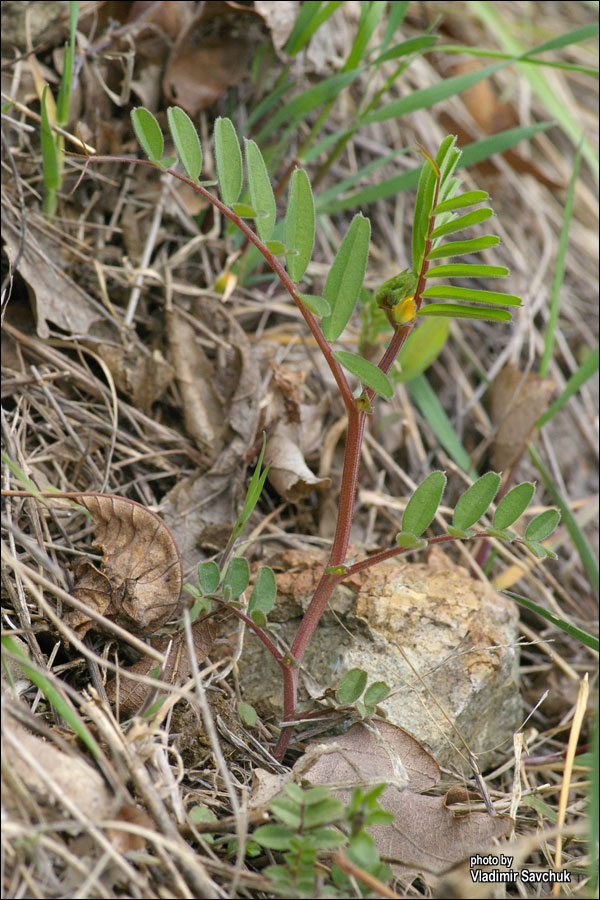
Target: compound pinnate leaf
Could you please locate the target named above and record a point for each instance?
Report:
(543, 525)
(237, 577)
(513, 505)
(346, 276)
(228, 158)
(148, 133)
(208, 577)
(261, 192)
(299, 228)
(369, 374)
(140, 578)
(422, 506)
(475, 501)
(263, 594)
(351, 686)
(186, 140)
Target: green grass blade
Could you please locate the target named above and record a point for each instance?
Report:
(433, 412)
(537, 78)
(370, 18)
(424, 98)
(587, 368)
(583, 548)
(525, 60)
(309, 20)
(298, 108)
(559, 271)
(471, 154)
(588, 639)
(53, 696)
(50, 157)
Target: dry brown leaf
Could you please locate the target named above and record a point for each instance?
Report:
(518, 400)
(132, 694)
(140, 579)
(212, 54)
(288, 472)
(203, 411)
(425, 834)
(54, 296)
(280, 18)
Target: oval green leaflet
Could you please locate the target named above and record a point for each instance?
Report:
(299, 229)
(345, 277)
(147, 130)
(261, 192)
(186, 140)
(228, 157)
(369, 374)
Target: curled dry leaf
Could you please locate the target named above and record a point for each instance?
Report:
(140, 579)
(425, 834)
(132, 694)
(288, 472)
(518, 400)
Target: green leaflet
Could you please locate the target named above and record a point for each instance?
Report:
(449, 292)
(460, 248)
(369, 374)
(513, 505)
(462, 222)
(475, 501)
(466, 270)
(299, 229)
(228, 158)
(469, 198)
(422, 506)
(317, 305)
(263, 595)
(459, 311)
(261, 192)
(186, 140)
(346, 276)
(148, 133)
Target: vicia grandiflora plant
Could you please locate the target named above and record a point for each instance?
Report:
(441, 211)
